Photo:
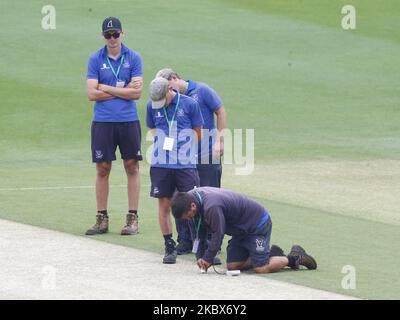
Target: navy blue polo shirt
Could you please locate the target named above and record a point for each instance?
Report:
(209, 102)
(115, 109)
(226, 212)
(188, 116)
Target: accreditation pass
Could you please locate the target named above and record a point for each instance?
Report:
(168, 144)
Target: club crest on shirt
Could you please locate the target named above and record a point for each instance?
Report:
(180, 113)
(260, 245)
(126, 65)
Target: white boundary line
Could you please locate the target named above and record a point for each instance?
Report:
(63, 188)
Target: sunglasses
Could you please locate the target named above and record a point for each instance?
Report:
(108, 35)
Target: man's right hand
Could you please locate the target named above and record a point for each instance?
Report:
(203, 264)
(136, 83)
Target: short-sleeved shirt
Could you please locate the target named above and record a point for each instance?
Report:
(225, 212)
(209, 102)
(115, 109)
(188, 116)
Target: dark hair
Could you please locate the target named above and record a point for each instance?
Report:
(180, 204)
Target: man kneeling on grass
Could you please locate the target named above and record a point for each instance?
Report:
(248, 222)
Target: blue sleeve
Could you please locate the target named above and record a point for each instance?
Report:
(136, 61)
(149, 117)
(203, 242)
(196, 117)
(92, 68)
(192, 229)
(216, 220)
(211, 98)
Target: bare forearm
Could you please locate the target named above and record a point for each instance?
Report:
(218, 147)
(221, 123)
(199, 133)
(98, 95)
(124, 93)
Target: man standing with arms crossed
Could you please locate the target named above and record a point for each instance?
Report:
(114, 82)
(211, 148)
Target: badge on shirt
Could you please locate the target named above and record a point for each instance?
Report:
(196, 245)
(120, 84)
(168, 144)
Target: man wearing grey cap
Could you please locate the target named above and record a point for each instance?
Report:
(211, 147)
(176, 122)
(114, 82)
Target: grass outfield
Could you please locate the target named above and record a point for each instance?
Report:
(323, 103)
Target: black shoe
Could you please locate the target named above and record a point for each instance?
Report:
(170, 252)
(302, 258)
(184, 248)
(276, 251)
(296, 250)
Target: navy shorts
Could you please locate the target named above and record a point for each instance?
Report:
(256, 246)
(210, 175)
(165, 181)
(107, 136)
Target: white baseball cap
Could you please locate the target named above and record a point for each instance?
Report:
(158, 92)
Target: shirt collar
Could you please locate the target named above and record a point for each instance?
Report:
(124, 50)
(191, 86)
(199, 205)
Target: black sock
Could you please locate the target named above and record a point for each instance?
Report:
(134, 211)
(292, 261)
(103, 212)
(167, 237)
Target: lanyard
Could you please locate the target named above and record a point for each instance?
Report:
(198, 196)
(198, 227)
(119, 67)
(171, 123)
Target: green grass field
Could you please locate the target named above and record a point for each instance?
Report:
(324, 103)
